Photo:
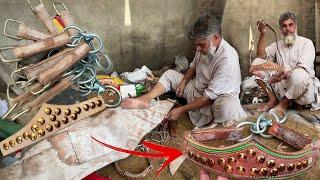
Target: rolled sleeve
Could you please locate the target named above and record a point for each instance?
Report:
(271, 51)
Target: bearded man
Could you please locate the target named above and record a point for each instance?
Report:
(211, 84)
(296, 54)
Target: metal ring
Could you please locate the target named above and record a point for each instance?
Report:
(58, 3)
(93, 72)
(119, 95)
(5, 29)
(100, 46)
(271, 111)
(72, 27)
(242, 124)
(107, 58)
(7, 60)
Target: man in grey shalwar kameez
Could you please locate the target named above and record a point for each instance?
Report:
(211, 85)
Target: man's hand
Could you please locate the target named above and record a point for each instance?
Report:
(181, 87)
(279, 76)
(262, 26)
(175, 113)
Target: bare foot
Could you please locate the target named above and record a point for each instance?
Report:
(135, 103)
(266, 107)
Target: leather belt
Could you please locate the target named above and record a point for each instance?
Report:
(250, 159)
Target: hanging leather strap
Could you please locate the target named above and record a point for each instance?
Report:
(43, 15)
(31, 33)
(34, 70)
(66, 63)
(41, 46)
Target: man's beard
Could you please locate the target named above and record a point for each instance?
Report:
(211, 51)
(289, 40)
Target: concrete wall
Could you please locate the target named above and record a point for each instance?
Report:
(158, 30)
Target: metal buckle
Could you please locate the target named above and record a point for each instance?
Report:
(14, 73)
(5, 29)
(8, 60)
(32, 8)
(58, 3)
(38, 92)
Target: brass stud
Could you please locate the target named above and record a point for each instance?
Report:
(242, 157)
(254, 171)
(77, 110)
(273, 172)
(99, 103)
(47, 111)
(203, 160)
(251, 152)
(53, 117)
(67, 112)
(304, 163)
(41, 132)
(231, 160)
(34, 128)
(271, 163)
(86, 107)
(65, 120)
(33, 136)
(196, 157)
(228, 169)
(190, 153)
(57, 124)
(260, 159)
(19, 139)
(299, 165)
(291, 167)
(73, 116)
(210, 162)
(12, 143)
(92, 105)
(26, 135)
(41, 121)
(263, 171)
(241, 170)
(281, 167)
(49, 127)
(221, 161)
(6, 146)
(57, 111)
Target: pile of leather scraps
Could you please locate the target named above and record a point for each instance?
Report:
(251, 92)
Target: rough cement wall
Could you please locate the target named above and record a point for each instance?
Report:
(240, 14)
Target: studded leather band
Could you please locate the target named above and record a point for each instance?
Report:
(289, 136)
(50, 119)
(250, 159)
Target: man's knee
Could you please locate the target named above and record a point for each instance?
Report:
(257, 61)
(227, 108)
(170, 73)
(298, 77)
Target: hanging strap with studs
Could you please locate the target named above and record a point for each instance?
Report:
(51, 118)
